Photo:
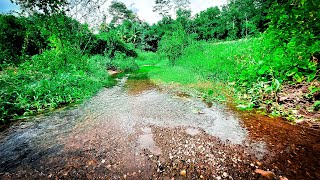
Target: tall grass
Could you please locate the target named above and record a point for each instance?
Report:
(207, 67)
(45, 84)
(205, 61)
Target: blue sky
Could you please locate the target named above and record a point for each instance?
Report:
(6, 6)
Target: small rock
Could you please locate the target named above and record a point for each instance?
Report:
(201, 177)
(252, 165)
(267, 174)
(300, 122)
(259, 163)
(170, 156)
(103, 161)
(91, 163)
(225, 175)
(183, 173)
(218, 178)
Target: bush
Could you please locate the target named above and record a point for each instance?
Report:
(21, 38)
(12, 31)
(173, 43)
(108, 43)
(122, 62)
(44, 83)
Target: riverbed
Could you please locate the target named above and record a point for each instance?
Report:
(138, 130)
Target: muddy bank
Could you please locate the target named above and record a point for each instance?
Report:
(136, 130)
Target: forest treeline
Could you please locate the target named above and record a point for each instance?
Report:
(50, 59)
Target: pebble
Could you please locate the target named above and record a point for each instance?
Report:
(183, 173)
(218, 178)
(225, 175)
(201, 177)
(267, 174)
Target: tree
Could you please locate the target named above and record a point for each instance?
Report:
(120, 12)
(41, 6)
(242, 18)
(183, 16)
(163, 7)
(181, 4)
(206, 23)
(294, 27)
(173, 43)
(12, 31)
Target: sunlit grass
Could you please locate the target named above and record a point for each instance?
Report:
(210, 68)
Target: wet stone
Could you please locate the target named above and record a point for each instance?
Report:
(146, 142)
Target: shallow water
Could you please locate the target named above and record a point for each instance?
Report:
(138, 130)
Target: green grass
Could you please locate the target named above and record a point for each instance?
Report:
(218, 70)
(147, 58)
(249, 72)
(203, 61)
(211, 68)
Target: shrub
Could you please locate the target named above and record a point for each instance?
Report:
(122, 62)
(108, 43)
(44, 83)
(173, 43)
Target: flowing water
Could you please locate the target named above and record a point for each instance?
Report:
(137, 130)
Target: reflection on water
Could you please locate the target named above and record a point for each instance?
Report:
(146, 142)
(134, 88)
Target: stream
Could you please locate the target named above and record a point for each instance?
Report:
(138, 130)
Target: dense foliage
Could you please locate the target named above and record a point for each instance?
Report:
(284, 50)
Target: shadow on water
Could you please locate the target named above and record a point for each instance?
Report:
(137, 130)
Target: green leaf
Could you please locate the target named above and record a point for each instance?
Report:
(263, 70)
(248, 106)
